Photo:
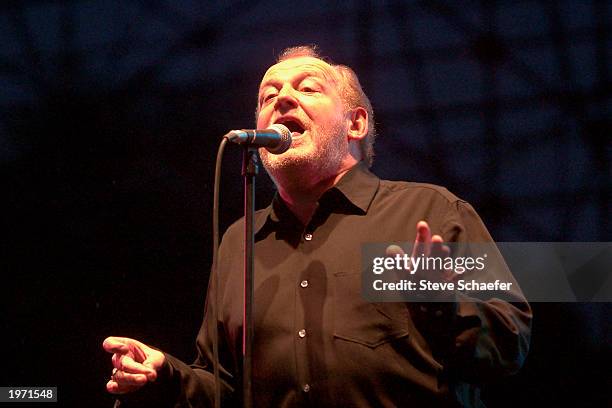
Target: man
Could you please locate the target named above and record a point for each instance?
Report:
(317, 341)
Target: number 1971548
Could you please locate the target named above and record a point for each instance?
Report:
(30, 394)
(47, 394)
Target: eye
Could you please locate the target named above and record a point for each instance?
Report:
(268, 97)
(307, 89)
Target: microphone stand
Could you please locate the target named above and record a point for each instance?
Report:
(250, 169)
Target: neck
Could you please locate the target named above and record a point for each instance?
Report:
(301, 194)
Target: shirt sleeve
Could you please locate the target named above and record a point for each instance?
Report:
(487, 338)
(195, 382)
(192, 385)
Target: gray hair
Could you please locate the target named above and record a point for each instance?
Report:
(350, 92)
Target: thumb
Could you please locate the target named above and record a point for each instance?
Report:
(393, 250)
(155, 360)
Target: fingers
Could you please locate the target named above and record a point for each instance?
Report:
(393, 250)
(422, 243)
(438, 248)
(425, 243)
(431, 246)
(124, 378)
(127, 364)
(116, 345)
(127, 346)
(128, 375)
(154, 362)
(112, 343)
(135, 363)
(122, 382)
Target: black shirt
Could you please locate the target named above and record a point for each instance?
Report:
(318, 343)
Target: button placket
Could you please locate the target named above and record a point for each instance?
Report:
(301, 340)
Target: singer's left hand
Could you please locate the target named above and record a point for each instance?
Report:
(428, 246)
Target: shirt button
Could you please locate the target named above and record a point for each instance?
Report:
(438, 313)
(308, 237)
(306, 387)
(304, 283)
(302, 333)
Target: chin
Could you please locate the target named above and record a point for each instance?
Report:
(292, 158)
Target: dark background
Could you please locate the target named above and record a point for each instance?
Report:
(111, 113)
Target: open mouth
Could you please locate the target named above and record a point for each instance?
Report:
(294, 126)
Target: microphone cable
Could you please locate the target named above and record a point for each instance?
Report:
(215, 274)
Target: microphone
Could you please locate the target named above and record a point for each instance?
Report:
(276, 139)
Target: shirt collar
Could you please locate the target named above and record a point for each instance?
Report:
(356, 188)
(359, 186)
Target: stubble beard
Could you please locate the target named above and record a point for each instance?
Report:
(319, 159)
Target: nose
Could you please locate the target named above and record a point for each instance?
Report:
(286, 99)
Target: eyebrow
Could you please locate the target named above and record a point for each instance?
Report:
(303, 75)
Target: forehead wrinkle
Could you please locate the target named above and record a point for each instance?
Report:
(327, 72)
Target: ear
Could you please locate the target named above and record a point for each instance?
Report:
(358, 123)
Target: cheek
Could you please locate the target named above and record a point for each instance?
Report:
(262, 119)
(329, 120)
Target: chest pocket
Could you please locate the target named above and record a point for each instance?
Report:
(359, 321)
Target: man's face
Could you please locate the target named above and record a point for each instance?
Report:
(302, 94)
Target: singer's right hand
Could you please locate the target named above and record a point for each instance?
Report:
(134, 364)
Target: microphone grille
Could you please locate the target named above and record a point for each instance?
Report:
(285, 141)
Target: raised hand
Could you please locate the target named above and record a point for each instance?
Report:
(429, 246)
